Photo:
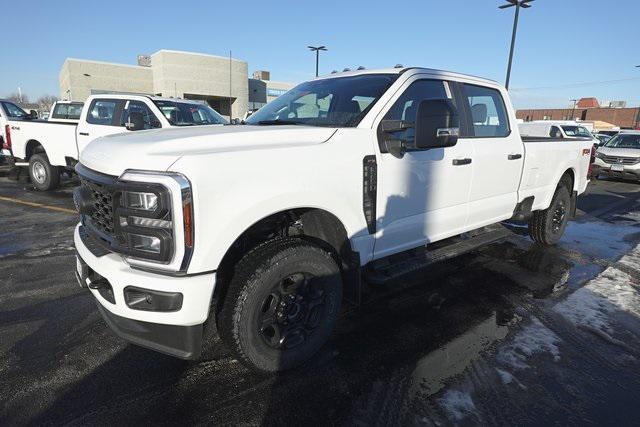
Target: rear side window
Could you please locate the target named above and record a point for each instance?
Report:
(67, 111)
(554, 132)
(150, 120)
(488, 113)
(101, 112)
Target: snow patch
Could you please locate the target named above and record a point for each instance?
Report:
(592, 305)
(533, 338)
(457, 404)
(632, 259)
(505, 376)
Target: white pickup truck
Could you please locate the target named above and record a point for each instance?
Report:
(48, 147)
(263, 228)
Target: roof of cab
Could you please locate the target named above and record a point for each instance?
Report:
(402, 70)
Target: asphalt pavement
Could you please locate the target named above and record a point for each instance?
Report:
(511, 333)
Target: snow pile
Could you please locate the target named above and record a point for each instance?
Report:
(593, 305)
(532, 339)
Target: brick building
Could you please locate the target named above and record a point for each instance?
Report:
(587, 109)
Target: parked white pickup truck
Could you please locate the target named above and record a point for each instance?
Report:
(262, 227)
(48, 147)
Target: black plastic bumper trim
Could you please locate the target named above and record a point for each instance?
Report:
(184, 342)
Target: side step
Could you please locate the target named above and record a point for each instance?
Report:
(386, 269)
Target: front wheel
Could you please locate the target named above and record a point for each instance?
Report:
(547, 226)
(282, 304)
(44, 176)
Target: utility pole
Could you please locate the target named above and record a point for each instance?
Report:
(518, 4)
(317, 50)
(638, 110)
(230, 90)
(573, 112)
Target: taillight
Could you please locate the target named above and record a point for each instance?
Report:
(593, 154)
(7, 138)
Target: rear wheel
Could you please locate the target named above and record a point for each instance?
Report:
(547, 226)
(44, 176)
(281, 305)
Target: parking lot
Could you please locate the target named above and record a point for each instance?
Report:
(508, 334)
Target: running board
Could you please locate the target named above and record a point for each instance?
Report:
(392, 267)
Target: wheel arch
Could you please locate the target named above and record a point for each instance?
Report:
(32, 147)
(313, 224)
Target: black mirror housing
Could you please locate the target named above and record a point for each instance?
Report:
(136, 121)
(437, 124)
(33, 114)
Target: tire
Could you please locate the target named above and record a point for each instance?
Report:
(281, 305)
(44, 177)
(547, 227)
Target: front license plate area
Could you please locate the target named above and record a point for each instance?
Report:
(617, 168)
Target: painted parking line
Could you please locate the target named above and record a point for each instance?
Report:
(37, 205)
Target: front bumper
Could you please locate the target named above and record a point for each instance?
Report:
(177, 332)
(628, 171)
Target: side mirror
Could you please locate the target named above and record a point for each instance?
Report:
(437, 124)
(135, 122)
(33, 114)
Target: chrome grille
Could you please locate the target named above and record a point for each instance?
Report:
(617, 160)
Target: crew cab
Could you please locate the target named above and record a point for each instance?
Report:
(50, 147)
(262, 228)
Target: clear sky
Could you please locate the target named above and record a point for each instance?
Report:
(565, 48)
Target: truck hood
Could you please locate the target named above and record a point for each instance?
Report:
(621, 152)
(158, 149)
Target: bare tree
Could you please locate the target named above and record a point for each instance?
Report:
(15, 97)
(45, 102)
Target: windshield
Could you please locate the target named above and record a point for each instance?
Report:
(14, 111)
(333, 102)
(624, 141)
(189, 114)
(576, 131)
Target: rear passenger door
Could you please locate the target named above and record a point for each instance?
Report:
(498, 156)
(109, 116)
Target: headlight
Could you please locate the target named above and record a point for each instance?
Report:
(140, 201)
(155, 221)
(599, 155)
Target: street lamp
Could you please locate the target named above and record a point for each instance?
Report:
(518, 4)
(317, 50)
(573, 112)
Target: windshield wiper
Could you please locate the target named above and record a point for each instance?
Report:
(278, 122)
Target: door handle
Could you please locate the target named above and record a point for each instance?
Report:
(84, 134)
(514, 156)
(459, 162)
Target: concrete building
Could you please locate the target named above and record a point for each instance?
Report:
(221, 82)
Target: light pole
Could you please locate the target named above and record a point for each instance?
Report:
(638, 111)
(573, 112)
(317, 50)
(518, 4)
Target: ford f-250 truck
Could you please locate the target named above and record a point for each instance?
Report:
(261, 228)
(50, 147)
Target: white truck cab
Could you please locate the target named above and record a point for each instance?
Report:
(49, 147)
(262, 228)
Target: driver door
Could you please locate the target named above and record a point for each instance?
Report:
(423, 196)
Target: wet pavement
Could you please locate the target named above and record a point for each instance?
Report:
(511, 333)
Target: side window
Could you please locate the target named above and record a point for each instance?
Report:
(150, 120)
(406, 107)
(488, 112)
(60, 111)
(555, 132)
(101, 112)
